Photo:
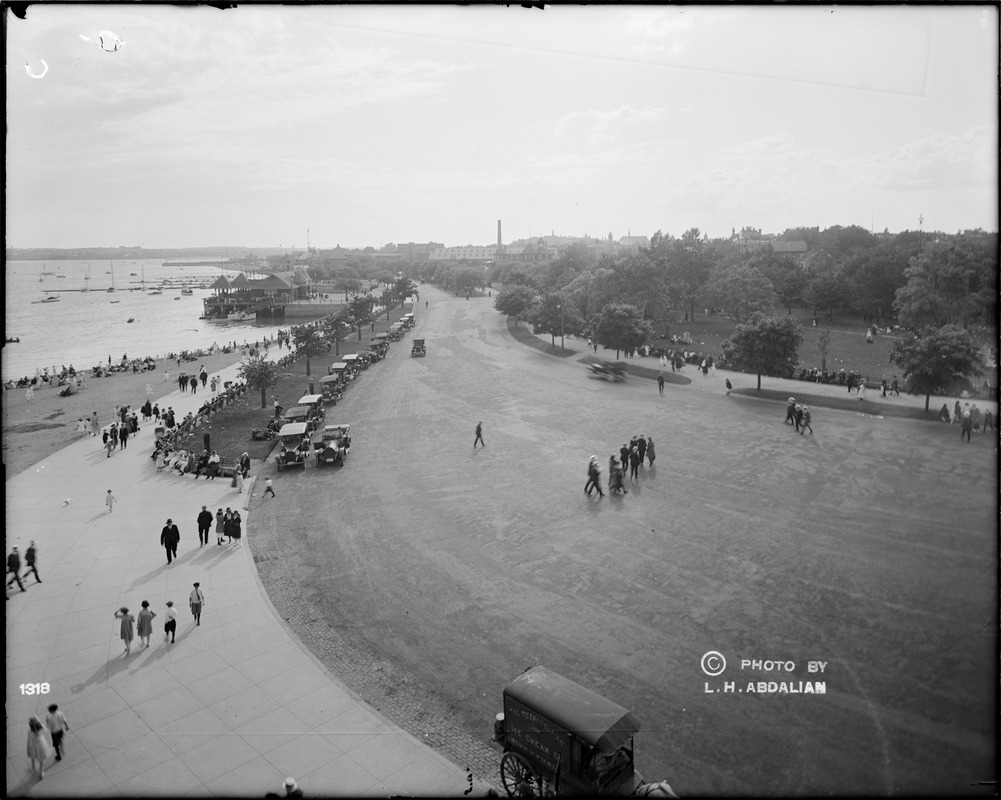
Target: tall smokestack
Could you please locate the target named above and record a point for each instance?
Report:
(500, 242)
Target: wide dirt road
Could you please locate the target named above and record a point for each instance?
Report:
(870, 546)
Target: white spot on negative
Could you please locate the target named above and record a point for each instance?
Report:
(45, 68)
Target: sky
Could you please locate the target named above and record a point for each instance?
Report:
(189, 126)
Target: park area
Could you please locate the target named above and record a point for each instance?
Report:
(428, 575)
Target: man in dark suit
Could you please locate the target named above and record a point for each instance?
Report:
(204, 526)
(169, 537)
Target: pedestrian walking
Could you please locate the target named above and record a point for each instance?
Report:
(144, 627)
(624, 456)
(790, 411)
(641, 449)
(238, 476)
(229, 525)
(170, 625)
(14, 568)
(593, 478)
(204, 526)
(729, 387)
(169, 538)
(57, 725)
(123, 435)
(220, 526)
(268, 488)
(110, 500)
(966, 428)
(798, 416)
(204, 376)
(95, 426)
(39, 748)
(650, 454)
(479, 435)
(196, 601)
(957, 412)
(110, 440)
(805, 422)
(988, 420)
(31, 560)
(128, 627)
(660, 382)
(634, 464)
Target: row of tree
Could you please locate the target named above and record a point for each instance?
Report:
(314, 339)
(935, 286)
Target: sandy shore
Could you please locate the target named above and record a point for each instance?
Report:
(32, 429)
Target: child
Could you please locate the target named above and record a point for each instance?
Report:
(268, 488)
(805, 422)
(170, 626)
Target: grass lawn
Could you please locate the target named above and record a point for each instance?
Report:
(848, 347)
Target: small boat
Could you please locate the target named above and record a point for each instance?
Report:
(116, 301)
(155, 291)
(50, 299)
(242, 316)
(133, 275)
(187, 291)
(131, 319)
(14, 341)
(60, 276)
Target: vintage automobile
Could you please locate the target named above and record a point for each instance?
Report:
(396, 331)
(333, 444)
(356, 361)
(562, 738)
(408, 320)
(292, 452)
(301, 414)
(614, 371)
(378, 348)
(418, 348)
(342, 370)
(331, 387)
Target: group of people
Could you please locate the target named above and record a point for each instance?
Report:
(184, 381)
(970, 419)
(14, 566)
(46, 738)
(631, 457)
(798, 416)
(141, 625)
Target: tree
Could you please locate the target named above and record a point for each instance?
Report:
(948, 282)
(824, 346)
(765, 345)
(404, 288)
(825, 286)
(555, 315)
(360, 311)
(740, 290)
(872, 277)
(259, 373)
(388, 298)
(622, 327)
(468, 278)
(309, 341)
(936, 358)
(787, 277)
(515, 300)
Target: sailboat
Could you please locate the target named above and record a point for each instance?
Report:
(112, 287)
(86, 285)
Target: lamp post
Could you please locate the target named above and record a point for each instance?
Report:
(559, 307)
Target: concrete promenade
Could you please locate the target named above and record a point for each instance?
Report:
(233, 707)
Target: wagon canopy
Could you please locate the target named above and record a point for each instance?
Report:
(329, 379)
(604, 725)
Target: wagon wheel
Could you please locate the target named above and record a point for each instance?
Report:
(517, 776)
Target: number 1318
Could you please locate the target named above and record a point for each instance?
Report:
(34, 688)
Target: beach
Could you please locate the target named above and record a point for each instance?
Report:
(34, 429)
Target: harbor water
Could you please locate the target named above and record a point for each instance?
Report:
(83, 328)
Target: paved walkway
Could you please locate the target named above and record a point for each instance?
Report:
(232, 708)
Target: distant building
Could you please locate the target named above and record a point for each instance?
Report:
(467, 252)
(418, 251)
(634, 242)
(533, 252)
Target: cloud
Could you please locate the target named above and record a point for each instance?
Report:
(658, 24)
(934, 162)
(766, 145)
(607, 125)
